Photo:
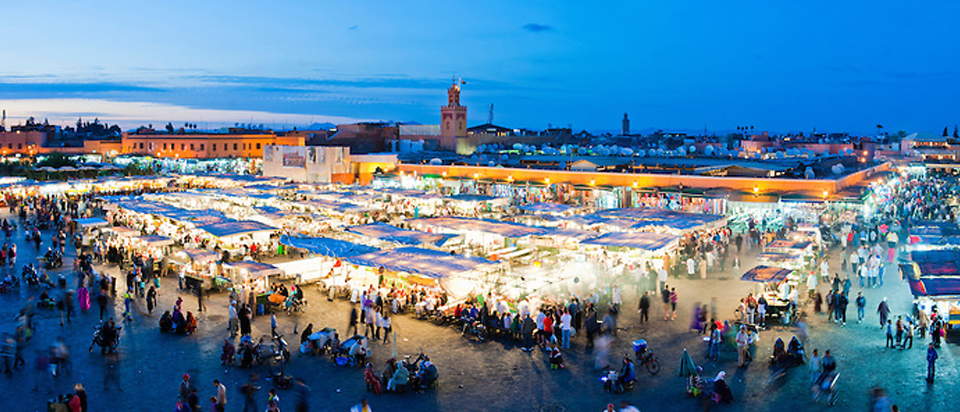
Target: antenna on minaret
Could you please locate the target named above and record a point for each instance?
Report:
(3, 120)
(490, 117)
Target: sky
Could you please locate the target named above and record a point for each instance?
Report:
(781, 66)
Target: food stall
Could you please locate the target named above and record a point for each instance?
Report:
(457, 275)
(934, 280)
(324, 254)
(252, 275)
(776, 286)
(199, 268)
(393, 234)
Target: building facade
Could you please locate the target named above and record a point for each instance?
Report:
(204, 145)
(308, 164)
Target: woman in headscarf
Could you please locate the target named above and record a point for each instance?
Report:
(721, 392)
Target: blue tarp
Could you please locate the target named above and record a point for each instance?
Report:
(651, 242)
(91, 222)
(924, 256)
(935, 287)
(255, 268)
(645, 217)
(424, 262)
(766, 274)
(326, 246)
(338, 207)
(472, 198)
(462, 224)
(546, 208)
(394, 234)
(232, 227)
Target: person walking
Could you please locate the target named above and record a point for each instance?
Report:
(665, 296)
(889, 343)
(932, 356)
(567, 328)
(908, 336)
(644, 308)
(221, 395)
(842, 309)
(233, 321)
(151, 299)
(861, 306)
(248, 390)
(816, 368)
(354, 319)
(184, 389)
(884, 310)
(742, 344)
(673, 303)
(386, 326)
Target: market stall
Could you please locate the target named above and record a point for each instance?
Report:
(325, 254)
(777, 287)
(456, 275)
(393, 234)
(199, 268)
(249, 274)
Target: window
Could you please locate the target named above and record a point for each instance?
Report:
(258, 146)
(234, 146)
(19, 145)
(201, 146)
(141, 145)
(244, 146)
(213, 147)
(10, 145)
(151, 146)
(164, 146)
(191, 146)
(182, 146)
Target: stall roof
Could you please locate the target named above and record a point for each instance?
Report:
(937, 287)
(327, 246)
(125, 231)
(943, 255)
(651, 242)
(474, 198)
(156, 241)
(91, 222)
(394, 234)
(232, 227)
(579, 235)
(255, 268)
(199, 254)
(645, 217)
(424, 262)
(766, 274)
(462, 224)
(545, 207)
(788, 244)
(334, 206)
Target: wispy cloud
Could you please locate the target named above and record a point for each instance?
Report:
(133, 114)
(536, 27)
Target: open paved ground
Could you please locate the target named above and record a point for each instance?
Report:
(487, 376)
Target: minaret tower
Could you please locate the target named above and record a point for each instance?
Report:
(453, 116)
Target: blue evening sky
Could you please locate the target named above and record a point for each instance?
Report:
(677, 65)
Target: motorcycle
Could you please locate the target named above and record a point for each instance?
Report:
(474, 328)
(106, 343)
(646, 357)
(9, 283)
(53, 260)
(423, 373)
(29, 275)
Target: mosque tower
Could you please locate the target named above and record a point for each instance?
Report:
(453, 116)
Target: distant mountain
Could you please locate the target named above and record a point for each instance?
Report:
(320, 126)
